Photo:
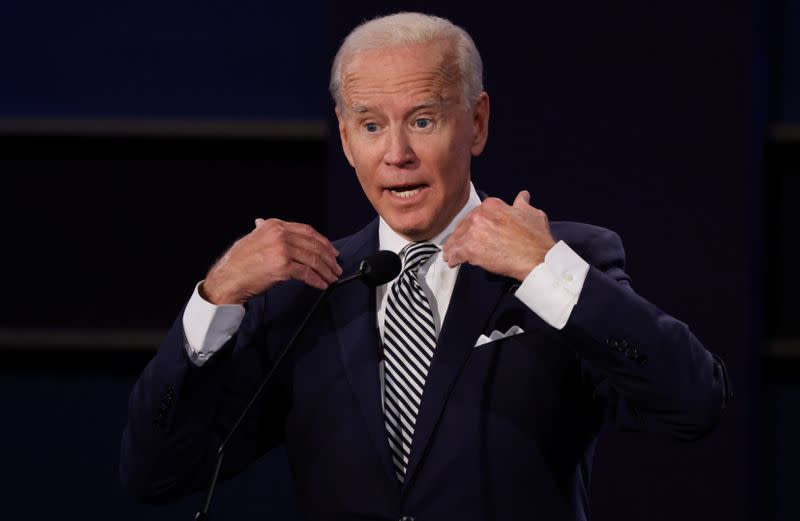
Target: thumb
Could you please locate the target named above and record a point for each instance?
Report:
(523, 199)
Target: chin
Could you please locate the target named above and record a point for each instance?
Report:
(414, 231)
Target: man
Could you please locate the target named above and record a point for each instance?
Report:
(471, 387)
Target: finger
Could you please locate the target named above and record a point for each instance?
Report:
(523, 199)
(305, 274)
(461, 254)
(316, 249)
(453, 240)
(463, 228)
(454, 257)
(305, 229)
(259, 222)
(464, 232)
(454, 253)
(309, 255)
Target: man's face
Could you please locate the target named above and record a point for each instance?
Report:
(409, 136)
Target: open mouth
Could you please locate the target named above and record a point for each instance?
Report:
(406, 191)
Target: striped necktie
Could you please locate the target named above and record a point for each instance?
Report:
(409, 341)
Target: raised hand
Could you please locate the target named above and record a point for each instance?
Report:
(503, 239)
(273, 252)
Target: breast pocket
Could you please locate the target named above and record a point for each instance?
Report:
(497, 335)
(531, 380)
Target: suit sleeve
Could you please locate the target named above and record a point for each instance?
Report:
(179, 413)
(647, 369)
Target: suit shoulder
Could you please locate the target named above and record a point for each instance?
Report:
(598, 246)
(357, 239)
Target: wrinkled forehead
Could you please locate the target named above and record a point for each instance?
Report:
(417, 70)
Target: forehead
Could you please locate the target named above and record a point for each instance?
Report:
(410, 72)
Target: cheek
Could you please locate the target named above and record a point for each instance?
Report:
(368, 184)
(366, 168)
(450, 156)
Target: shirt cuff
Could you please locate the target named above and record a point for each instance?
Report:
(552, 288)
(207, 327)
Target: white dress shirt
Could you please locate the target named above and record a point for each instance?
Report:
(551, 290)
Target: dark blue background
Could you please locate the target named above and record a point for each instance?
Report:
(786, 66)
(246, 59)
(647, 118)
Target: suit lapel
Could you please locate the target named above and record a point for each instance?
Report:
(353, 310)
(475, 296)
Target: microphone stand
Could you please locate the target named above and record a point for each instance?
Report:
(203, 514)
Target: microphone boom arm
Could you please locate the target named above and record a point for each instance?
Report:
(374, 270)
(203, 514)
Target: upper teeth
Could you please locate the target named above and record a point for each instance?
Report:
(405, 193)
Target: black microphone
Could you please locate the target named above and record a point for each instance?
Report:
(374, 270)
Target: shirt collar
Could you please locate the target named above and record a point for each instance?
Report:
(389, 239)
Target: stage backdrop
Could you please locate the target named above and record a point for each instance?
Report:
(646, 118)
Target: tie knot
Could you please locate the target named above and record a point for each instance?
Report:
(416, 254)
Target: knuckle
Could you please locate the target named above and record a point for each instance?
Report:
(282, 254)
(480, 219)
(279, 231)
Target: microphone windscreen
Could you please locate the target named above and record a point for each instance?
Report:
(380, 268)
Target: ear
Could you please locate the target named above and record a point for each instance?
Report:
(480, 124)
(345, 139)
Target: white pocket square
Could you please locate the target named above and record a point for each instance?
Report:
(497, 335)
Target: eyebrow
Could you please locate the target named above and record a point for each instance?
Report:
(433, 102)
(358, 108)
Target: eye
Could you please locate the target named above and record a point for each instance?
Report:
(371, 127)
(422, 122)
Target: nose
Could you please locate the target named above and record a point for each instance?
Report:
(399, 151)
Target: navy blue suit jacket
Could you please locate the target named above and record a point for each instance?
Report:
(505, 430)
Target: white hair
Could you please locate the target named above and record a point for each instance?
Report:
(412, 28)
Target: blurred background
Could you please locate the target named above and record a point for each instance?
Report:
(677, 124)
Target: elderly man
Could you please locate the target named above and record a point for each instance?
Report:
(474, 385)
